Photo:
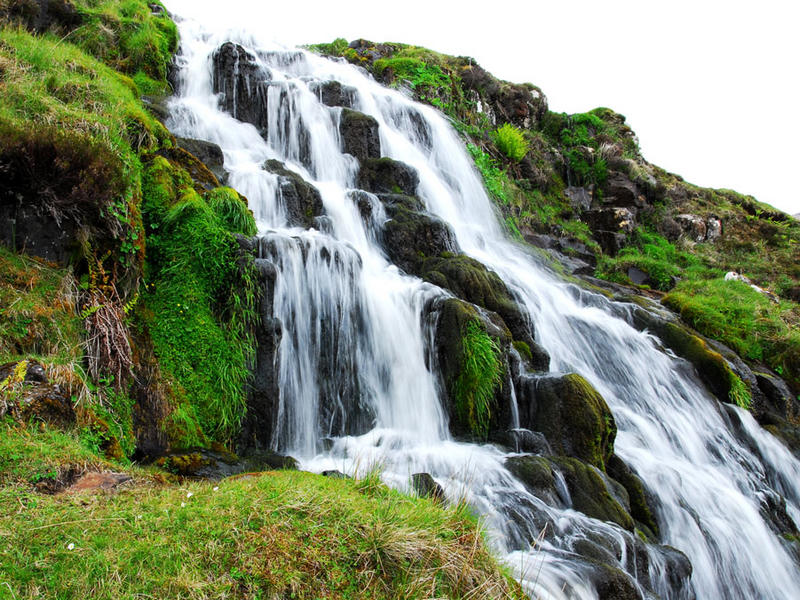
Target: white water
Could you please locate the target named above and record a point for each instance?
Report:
(353, 351)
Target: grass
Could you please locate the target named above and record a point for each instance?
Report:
(757, 328)
(198, 305)
(276, 534)
(480, 374)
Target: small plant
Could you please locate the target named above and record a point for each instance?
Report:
(511, 141)
(480, 374)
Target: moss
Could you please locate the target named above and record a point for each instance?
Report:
(480, 373)
(640, 508)
(199, 305)
(590, 494)
(575, 419)
(710, 365)
(524, 350)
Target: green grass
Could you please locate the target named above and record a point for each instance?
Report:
(277, 534)
(757, 328)
(480, 374)
(198, 305)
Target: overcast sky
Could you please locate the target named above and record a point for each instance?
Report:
(711, 87)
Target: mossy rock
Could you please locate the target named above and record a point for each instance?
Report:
(202, 177)
(711, 366)
(472, 358)
(387, 176)
(359, 135)
(590, 494)
(536, 472)
(409, 237)
(470, 280)
(639, 506)
(571, 414)
(302, 200)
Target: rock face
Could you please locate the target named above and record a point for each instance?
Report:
(410, 236)
(523, 105)
(207, 153)
(387, 176)
(359, 135)
(242, 84)
(333, 93)
(301, 200)
(571, 414)
(41, 15)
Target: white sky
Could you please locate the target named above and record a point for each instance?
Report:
(711, 87)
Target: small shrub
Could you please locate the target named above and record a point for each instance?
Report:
(511, 142)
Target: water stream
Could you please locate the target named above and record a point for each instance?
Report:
(355, 377)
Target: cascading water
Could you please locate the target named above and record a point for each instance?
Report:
(354, 366)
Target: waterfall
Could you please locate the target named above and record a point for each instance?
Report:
(355, 371)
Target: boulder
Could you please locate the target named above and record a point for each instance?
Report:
(302, 201)
(571, 414)
(241, 83)
(387, 176)
(614, 219)
(359, 135)
(333, 93)
(470, 280)
(579, 197)
(693, 227)
(639, 506)
(208, 153)
(409, 237)
(42, 15)
(525, 440)
(426, 487)
(536, 473)
(466, 418)
(620, 191)
(202, 177)
(28, 395)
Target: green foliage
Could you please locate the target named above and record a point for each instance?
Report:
(495, 180)
(757, 328)
(654, 255)
(232, 211)
(481, 372)
(511, 141)
(198, 305)
(335, 48)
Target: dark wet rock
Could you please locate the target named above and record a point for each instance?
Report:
(470, 280)
(453, 316)
(525, 440)
(590, 493)
(612, 583)
(669, 228)
(579, 197)
(611, 242)
(218, 464)
(202, 177)
(409, 237)
(42, 15)
(620, 191)
(387, 176)
(335, 474)
(536, 473)
(778, 398)
(208, 153)
(302, 200)
(571, 414)
(242, 84)
(773, 511)
(426, 487)
(333, 93)
(359, 135)
(638, 277)
(34, 230)
(638, 499)
(264, 395)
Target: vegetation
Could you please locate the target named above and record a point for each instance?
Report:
(278, 533)
(511, 141)
(480, 374)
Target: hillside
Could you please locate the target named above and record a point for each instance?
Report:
(143, 397)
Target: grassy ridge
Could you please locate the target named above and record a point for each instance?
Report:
(277, 534)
